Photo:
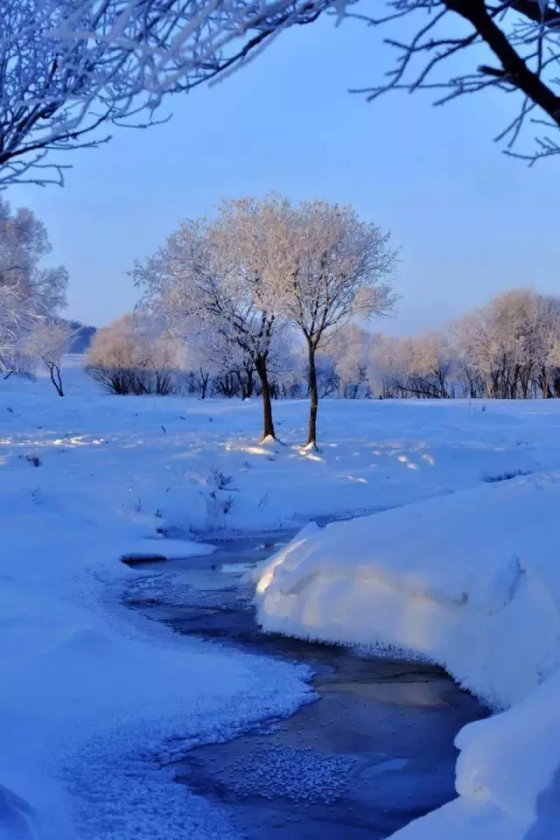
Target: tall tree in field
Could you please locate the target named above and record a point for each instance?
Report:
(226, 277)
(255, 241)
(341, 271)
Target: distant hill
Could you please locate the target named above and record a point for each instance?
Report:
(82, 337)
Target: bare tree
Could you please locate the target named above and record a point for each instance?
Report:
(465, 47)
(451, 47)
(510, 46)
(340, 273)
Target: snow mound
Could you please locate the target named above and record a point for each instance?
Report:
(470, 581)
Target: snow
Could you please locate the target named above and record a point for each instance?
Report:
(470, 581)
(459, 567)
(95, 700)
(167, 549)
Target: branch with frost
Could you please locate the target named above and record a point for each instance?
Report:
(72, 69)
(212, 278)
(29, 293)
(519, 41)
(16, 318)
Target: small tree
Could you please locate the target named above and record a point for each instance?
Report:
(350, 349)
(48, 341)
(340, 273)
(127, 358)
(389, 366)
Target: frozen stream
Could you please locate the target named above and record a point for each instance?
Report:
(374, 751)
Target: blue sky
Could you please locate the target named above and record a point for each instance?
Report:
(469, 221)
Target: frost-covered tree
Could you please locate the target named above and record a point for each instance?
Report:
(350, 349)
(547, 363)
(70, 70)
(460, 47)
(29, 293)
(48, 341)
(431, 361)
(419, 366)
(225, 277)
(128, 358)
(465, 335)
(507, 349)
(505, 342)
(340, 272)
(389, 366)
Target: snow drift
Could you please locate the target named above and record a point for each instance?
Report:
(470, 581)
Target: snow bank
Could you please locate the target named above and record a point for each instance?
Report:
(471, 581)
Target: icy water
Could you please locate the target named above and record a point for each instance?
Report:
(373, 752)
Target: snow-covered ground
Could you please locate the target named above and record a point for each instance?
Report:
(470, 581)
(94, 700)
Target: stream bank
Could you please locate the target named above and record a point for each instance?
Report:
(372, 753)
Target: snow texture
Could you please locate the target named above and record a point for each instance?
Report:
(96, 701)
(470, 581)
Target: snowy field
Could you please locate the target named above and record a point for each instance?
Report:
(457, 564)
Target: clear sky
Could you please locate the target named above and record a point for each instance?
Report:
(469, 220)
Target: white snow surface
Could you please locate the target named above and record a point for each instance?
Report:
(471, 581)
(96, 701)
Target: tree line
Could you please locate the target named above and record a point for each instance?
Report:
(506, 349)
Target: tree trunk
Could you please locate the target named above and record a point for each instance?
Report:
(313, 398)
(242, 387)
(56, 378)
(544, 384)
(268, 425)
(250, 383)
(203, 385)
